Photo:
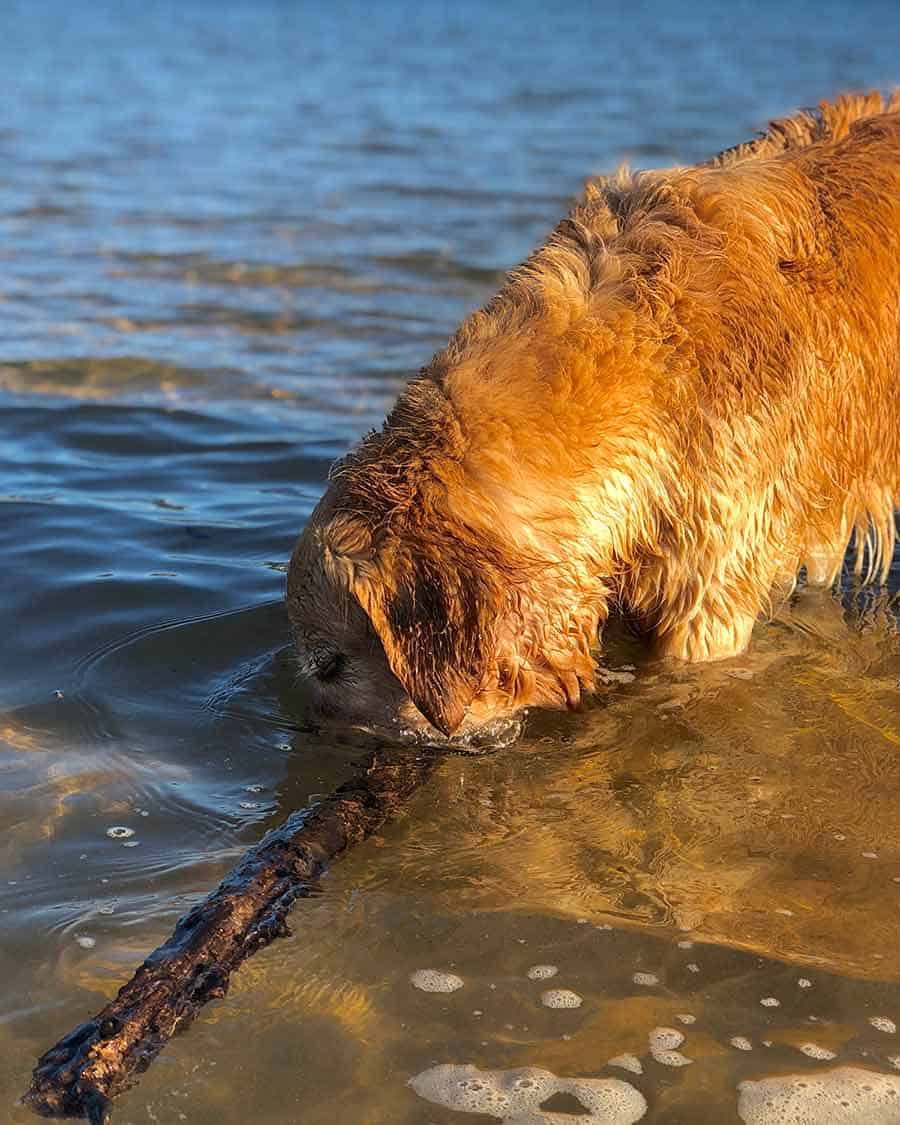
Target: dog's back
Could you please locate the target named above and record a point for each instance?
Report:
(772, 276)
(830, 122)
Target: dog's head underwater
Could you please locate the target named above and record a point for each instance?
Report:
(410, 610)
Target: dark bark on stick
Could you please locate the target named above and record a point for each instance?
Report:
(101, 1058)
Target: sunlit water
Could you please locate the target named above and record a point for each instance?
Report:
(228, 234)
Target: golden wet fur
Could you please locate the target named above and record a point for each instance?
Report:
(689, 392)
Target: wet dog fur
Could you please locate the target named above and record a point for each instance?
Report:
(691, 391)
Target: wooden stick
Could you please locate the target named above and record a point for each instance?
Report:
(81, 1075)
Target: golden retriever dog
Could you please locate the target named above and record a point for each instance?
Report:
(688, 393)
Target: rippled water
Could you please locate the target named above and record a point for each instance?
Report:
(228, 234)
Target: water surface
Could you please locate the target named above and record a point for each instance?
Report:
(228, 235)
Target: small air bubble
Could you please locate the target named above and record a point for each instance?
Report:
(542, 972)
(119, 832)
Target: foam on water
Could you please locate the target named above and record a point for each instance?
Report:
(627, 1062)
(496, 735)
(665, 1038)
(542, 972)
(647, 979)
(516, 1096)
(846, 1095)
(741, 1043)
(882, 1023)
(814, 1051)
(663, 1044)
(560, 998)
(433, 980)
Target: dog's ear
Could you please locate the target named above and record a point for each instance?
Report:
(435, 618)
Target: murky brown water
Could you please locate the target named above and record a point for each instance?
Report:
(227, 239)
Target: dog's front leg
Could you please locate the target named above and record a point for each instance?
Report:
(717, 627)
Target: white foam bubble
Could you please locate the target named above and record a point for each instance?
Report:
(646, 979)
(741, 1043)
(433, 980)
(882, 1023)
(693, 968)
(686, 1018)
(770, 1002)
(671, 1058)
(804, 983)
(542, 972)
(844, 1096)
(516, 1096)
(560, 998)
(665, 1038)
(119, 832)
(85, 942)
(627, 1062)
(814, 1051)
(663, 1044)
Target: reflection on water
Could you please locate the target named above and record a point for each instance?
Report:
(228, 237)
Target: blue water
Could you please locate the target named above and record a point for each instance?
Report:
(228, 234)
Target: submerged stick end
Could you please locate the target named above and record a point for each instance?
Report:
(97, 1107)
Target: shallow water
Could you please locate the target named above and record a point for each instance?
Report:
(228, 235)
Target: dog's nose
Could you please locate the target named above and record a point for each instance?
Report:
(329, 666)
